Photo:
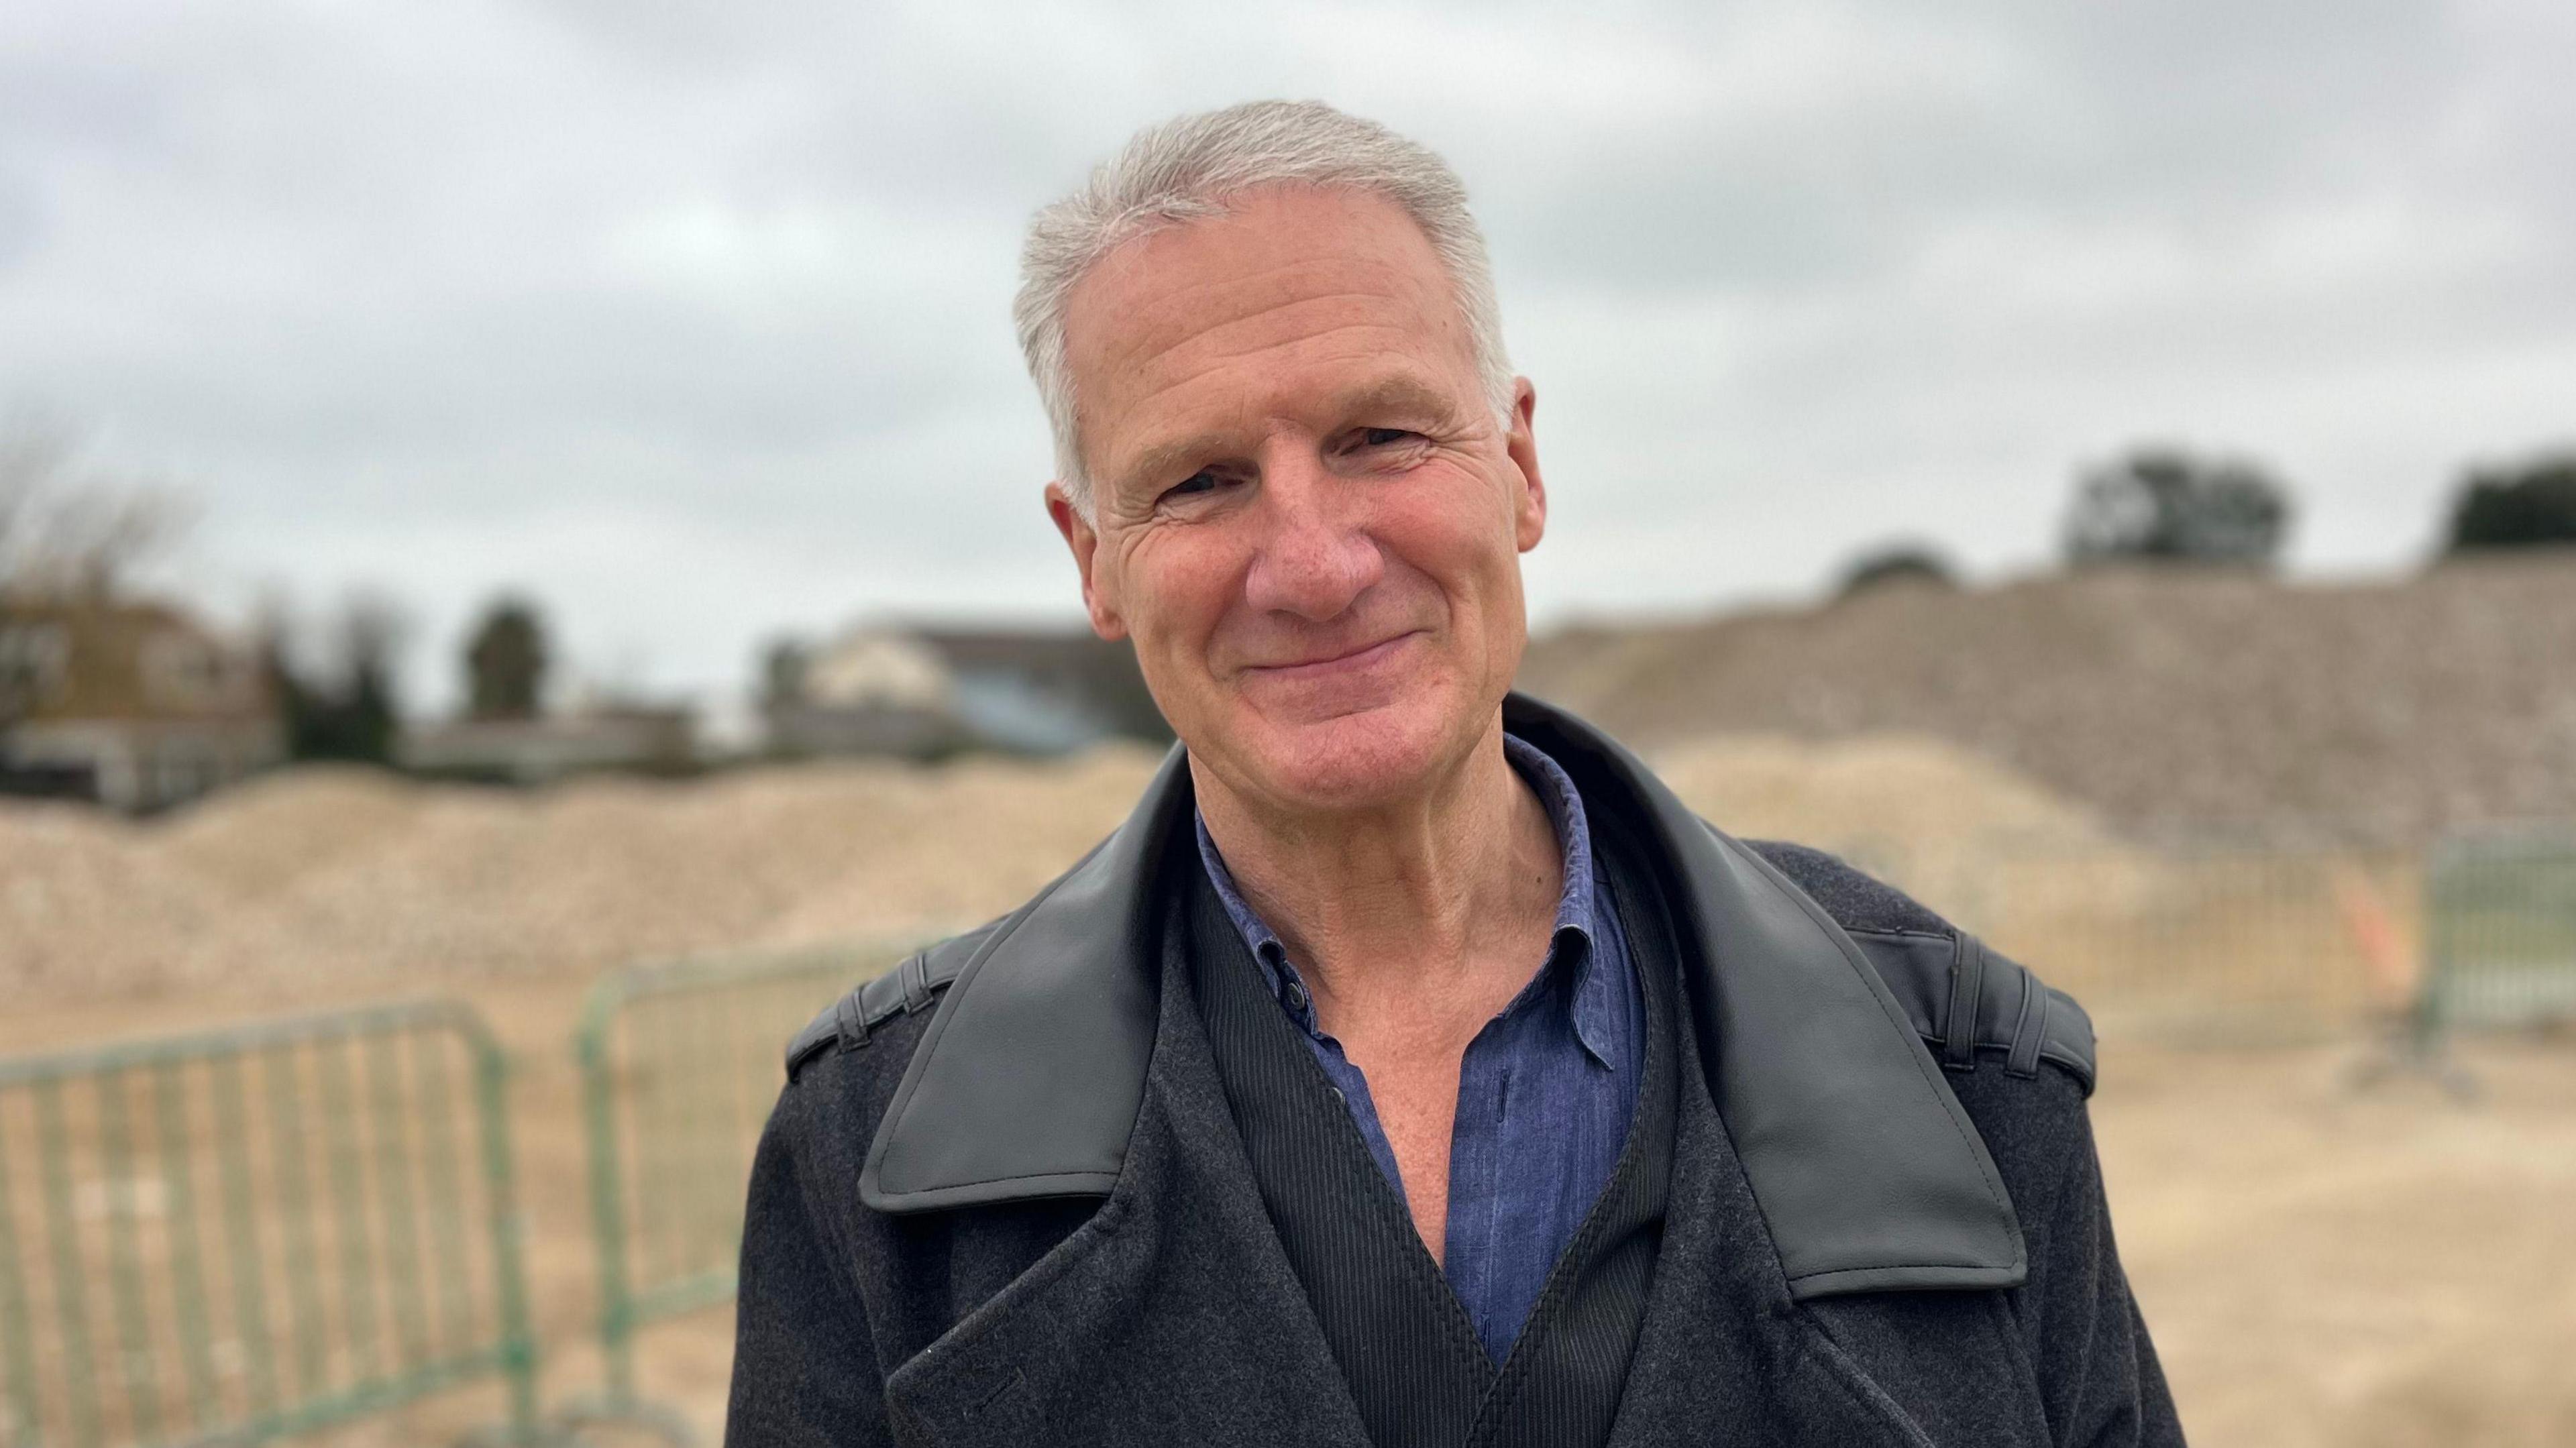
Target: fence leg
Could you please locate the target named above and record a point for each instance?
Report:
(510, 1287)
(2415, 1045)
(678, 1059)
(608, 1219)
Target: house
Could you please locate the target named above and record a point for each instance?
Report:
(134, 704)
(870, 691)
(629, 738)
(925, 691)
(1045, 691)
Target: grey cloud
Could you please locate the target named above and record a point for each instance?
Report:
(694, 314)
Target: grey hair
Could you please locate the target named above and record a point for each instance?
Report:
(1186, 169)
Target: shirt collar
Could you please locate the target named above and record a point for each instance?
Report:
(1564, 805)
(1591, 995)
(1264, 943)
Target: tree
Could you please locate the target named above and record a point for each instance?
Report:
(1896, 563)
(505, 662)
(2525, 505)
(2167, 504)
(342, 704)
(70, 532)
(783, 665)
(69, 529)
(371, 639)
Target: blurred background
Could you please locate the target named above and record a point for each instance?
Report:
(521, 577)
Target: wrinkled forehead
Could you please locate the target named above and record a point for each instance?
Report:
(1282, 296)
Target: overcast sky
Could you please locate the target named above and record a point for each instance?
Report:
(692, 320)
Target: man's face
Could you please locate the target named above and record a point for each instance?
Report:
(1305, 513)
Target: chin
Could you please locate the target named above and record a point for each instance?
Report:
(1357, 759)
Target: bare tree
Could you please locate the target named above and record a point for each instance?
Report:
(69, 533)
(68, 528)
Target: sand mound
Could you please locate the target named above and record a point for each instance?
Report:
(343, 873)
(1934, 819)
(1865, 794)
(330, 872)
(260, 836)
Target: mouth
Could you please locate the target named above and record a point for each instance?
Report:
(1325, 666)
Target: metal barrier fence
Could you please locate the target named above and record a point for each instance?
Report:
(2501, 930)
(680, 1064)
(247, 1233)
(2256, 940)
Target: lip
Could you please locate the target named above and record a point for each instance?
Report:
(1351, 662)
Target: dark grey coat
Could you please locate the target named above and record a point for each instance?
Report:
(1001, 1201)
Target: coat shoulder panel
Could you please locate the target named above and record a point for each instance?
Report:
(1964, 999)
(849, 1023)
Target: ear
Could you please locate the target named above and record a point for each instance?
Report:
(1099, 601)
(1529, 510)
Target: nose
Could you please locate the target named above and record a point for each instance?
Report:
(1314, 557)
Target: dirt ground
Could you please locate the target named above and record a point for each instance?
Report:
(2320, 1265)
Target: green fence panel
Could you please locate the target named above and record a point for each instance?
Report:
(679, 1064)
(2501, 930)
(2186, 938)
(188, 1259)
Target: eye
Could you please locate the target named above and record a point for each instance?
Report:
(1196, 485)
(1383, 436)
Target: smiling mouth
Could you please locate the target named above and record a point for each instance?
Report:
(1359, 658)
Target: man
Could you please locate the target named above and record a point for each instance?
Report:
(1411, 1067)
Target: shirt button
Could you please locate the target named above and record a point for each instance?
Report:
(1296, 996)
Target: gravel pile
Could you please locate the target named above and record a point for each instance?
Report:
(346, 875)
(2171, 702)
(327, 872)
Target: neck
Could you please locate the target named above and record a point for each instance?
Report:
(1449, 892)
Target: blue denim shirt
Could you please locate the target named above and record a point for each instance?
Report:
(1545, 1092)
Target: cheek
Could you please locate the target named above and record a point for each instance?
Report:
(1454, 539)
(1178, 588)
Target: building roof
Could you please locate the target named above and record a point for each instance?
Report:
(90, 659)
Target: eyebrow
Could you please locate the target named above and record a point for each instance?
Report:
(1395, 395)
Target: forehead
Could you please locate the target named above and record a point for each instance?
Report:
(1286, 299)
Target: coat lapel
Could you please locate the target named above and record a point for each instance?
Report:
(1867, 1170)
(1726, 1355)
(1172, 1317)
(1818, 1153)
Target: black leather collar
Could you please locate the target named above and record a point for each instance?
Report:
(1869, 1173)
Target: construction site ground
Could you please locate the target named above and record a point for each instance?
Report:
(2319, 1264)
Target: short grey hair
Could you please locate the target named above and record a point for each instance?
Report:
(1186, 169)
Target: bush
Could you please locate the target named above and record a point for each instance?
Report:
(2527, 505)
(1896, 563)
(2167, 504)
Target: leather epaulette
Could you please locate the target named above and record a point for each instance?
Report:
(848, 1022)
(1963, 998)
